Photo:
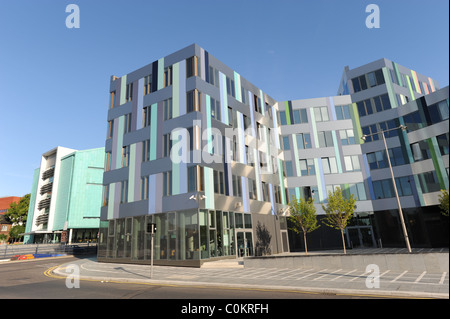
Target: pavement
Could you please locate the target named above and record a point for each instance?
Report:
(232, 274)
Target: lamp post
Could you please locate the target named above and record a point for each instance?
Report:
(400, 212)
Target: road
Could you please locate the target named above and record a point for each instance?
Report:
(30, 279)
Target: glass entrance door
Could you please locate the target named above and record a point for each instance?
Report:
(244, 240)
(360, 236)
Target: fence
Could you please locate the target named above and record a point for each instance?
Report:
(46, 250)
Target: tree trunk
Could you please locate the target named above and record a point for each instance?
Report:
(306, 246)
(343, 241)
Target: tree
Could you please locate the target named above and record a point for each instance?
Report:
(303, 217)
(17, 212)
(443, 202)
(16, 232)
(338, 211)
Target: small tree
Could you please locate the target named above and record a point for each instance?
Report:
(303, 217)
(17, 212)
(338, 211)
(443, 202)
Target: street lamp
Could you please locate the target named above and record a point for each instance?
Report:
(400, 212)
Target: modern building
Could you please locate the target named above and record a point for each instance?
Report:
(212, 161)
(65, 197)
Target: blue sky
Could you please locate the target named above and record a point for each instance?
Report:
(54, 81)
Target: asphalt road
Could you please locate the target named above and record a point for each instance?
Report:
(30, 280)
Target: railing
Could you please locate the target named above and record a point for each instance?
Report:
(46, 250)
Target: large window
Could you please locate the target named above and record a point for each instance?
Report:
(193, 101)
(146, 116)
(352, 163)
(429, 182)
(307, 167)
(329, 165)
(167, 109)
(303, 141)
(125, 155)
(168, 76)
(192, 67)
(148, 84)
(420, 151)
(321, 114)
(300, 116)
(368, 80)
(343, 112)
(347, 137)
(325, 139)
(385, 189)
(129, 92)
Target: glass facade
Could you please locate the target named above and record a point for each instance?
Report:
(180, 236)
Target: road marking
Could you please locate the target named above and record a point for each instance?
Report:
(420, 277)
(347, 273)
(399, 276)
(362, 275)
(314, 273)
(327, 274)
(442, 278)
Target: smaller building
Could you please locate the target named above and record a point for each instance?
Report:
(5, 226)
(66, 197)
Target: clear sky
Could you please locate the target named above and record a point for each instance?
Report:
(54, 81)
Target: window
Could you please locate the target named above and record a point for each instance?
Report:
(382, 103)
(168, 76)
(124, 192)
(167, 109)
(289, 171)
(146, 150)
(127, 123)
(195, 179)
(112, 99)
(146, 116)
(325, 139)
(230, 117)
(230, 87)
(125, 155)
(265, 192)
(215, 109)
(251, 188)
(144, 187)
(286, 144)
(413, 121)
(192, 67)
(352, 163)
(376, 160)
(110, 129)
(303, 141)
(108, 161)
(257, 103)
(237, 188)
(167, 183)
(167, 145)
(385, 189)
(438, 112)
(213, 76)
(357, 190)
(442, 141)
(300, 116)
(283, 120)
(369, 80)
(343, 112)
(347, 137)
(129, 92)
(219, 184)
(329, 165)
(321, 114)
(148, 84)
(307, 167)
(364, 107)
(193, 101)
(429, 182)
(420, 151)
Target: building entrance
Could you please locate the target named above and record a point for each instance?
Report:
(244, 240)
(360, 237)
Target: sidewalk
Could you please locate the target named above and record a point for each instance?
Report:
(232, 274)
